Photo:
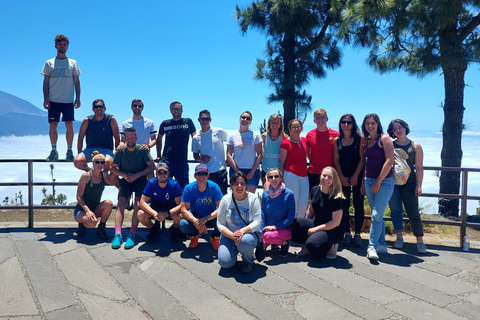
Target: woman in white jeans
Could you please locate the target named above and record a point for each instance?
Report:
(293, 164)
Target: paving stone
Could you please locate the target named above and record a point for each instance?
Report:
(70, 313)
(22, 234)
(7, 249)
(354, 283)
(237, 286)
(153, 299)
(474, 298)
(439, 268)
(407, 286)
(83, 271)
(422, 310)
(454, 260)
(102, 308)
(58, 241)
(310, 306)
(50, 287)
(193, 293)
(15, 296)
(353, 303)
(466, 310)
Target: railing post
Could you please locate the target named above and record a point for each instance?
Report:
(463, 207)
(30, 193)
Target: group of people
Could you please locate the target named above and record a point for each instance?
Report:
(307, 181)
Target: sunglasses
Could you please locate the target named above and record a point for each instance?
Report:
(205, 119)
(276, 176)
(201, 174)
(246, 118)
(138, 106)
(98, 106)
(162, 173)
(346, 122)
(99, 162)
(176, 109)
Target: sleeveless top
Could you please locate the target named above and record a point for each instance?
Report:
(99, 133)
(410, 150)
(349, 156)
(92, 193)
(271, 153)
(375, 158)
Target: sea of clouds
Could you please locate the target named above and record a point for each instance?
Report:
(38, 147)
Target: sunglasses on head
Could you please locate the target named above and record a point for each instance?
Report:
(346, 122)
(276, 176)
(99, 162)
(201, 174)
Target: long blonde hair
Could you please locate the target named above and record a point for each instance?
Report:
(336, 190)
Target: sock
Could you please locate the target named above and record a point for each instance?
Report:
(133, 229)
(54, 147)
(69, 147)
(118, 229)
(101, 224)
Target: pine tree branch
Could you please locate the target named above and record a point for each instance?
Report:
(468, 29)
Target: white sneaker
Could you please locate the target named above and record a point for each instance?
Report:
(421, 247)
(399, 242)
(332, 253)
(372, 253)
(381, 249)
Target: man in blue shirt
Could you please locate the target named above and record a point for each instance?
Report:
(164, 195)
(199, 208)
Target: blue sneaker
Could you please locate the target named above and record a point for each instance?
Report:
(117, 241)
(130, 243)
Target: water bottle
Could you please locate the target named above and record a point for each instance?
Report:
(466, 243)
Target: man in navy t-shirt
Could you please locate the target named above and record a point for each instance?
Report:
(199, 208)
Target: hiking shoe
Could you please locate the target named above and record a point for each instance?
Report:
(357, 241)
(81, 230)
(69, 156)
(421, 247)
(398, 243)
(381, 249)
(215, 243)
(347, 240)
(302, 252)
(247, 267)
(284, 250)
(101, 231)
(174, 233)
(193, 242)
(130, 243)
(372, 253)
(53, 156)
(117, 241)
(152, 235)
(332, 253)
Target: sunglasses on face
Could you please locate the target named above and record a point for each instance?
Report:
(201, 174)
(162, 173)
(99, 162)
(276, 176)
(176, 109)
(138, 106)
(205, 119)
(246, 118)
(346, 122)
(98, 106)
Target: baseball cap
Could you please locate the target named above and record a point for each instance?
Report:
(162, 166)
(201, 168)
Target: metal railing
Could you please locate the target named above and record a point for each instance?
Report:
(463, 196)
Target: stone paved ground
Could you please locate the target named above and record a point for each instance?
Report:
(47, 273)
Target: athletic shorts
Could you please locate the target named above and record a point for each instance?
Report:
(57, 108)
(87, 153)
(128, 188)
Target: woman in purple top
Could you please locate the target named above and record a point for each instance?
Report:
(378, 183)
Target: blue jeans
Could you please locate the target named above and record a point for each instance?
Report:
(189, 229)
(228, 250)
(406, 194)
(378, 203)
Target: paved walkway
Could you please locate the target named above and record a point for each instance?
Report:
(45, 273)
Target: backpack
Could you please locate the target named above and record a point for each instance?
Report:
(401, 169)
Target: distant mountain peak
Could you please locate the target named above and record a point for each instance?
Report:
(11, 103)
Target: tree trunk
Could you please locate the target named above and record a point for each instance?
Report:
(451, 155)
(289, 78)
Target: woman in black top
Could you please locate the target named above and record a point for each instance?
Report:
(89, 193)
(321, 229)
(349, 161)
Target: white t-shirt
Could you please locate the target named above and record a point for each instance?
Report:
(145, 129)
(60, 85)
(210, 143)
(244, 148)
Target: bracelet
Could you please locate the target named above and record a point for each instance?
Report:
(206, 218)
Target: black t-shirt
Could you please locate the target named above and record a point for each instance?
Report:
(323, 207)
(176, 135)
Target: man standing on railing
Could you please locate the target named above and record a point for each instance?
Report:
(61, 76)
(133, 164)
(99, 131)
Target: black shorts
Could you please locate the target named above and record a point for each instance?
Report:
(66, 109)
(127, 188)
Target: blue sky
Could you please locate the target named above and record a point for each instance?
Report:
(194, 52)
